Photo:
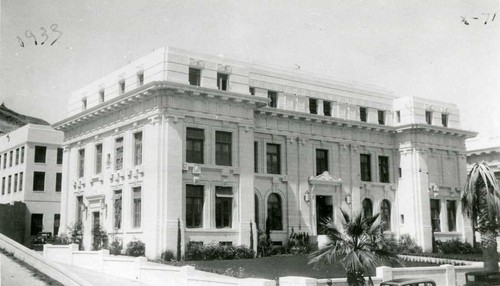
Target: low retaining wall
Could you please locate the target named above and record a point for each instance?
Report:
(43, 264)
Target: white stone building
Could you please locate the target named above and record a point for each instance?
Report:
(217, 146)
(484, 149)
(30, 172)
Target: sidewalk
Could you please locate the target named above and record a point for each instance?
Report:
(14, 274)
(99, 278)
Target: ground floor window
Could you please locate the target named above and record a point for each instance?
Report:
(194, 206)
(435, 215)
(452, 215)
(117, 209)
(137, 207)
(57, 222)
(385, 214)
(367, 208)
(256, 210)
(223, 206)
(36, 223)
(274, 212)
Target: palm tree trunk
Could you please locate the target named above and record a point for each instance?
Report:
(490, 254)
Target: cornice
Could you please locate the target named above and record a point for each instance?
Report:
(152, 89)
(435, 129)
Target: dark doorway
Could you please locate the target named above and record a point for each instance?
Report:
(96, 238)
(324, 210)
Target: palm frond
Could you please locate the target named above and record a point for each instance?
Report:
(481, 186)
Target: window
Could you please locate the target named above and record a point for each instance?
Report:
(385, 214)
(9, 184)
(59, 158)
(11, 155)
(435, 215)
(327, 108)
(273, 159)
(223, 206)
(117, 206)
(428, 117)
(98, 158)
(22, 154)
(363, 114)
(381, 117)
(313, 106)
(5, 160)
(21, 179)
(383, 169)
(194, 145)
(17, 156)
(137, 207)
(119, 153)
(39, 181)
(84, 104)
(79, 209)
(222, 81)
(251, 90)
(40, 152)
(452, 215)
(398, 116)
(57, 223)
(36, 223)
(121, 87)
(140, 79)
(367, 208)
(444, 119)
(321, 161)
(194, 77)
(256, 157)
(3, 185)
(15, 183)
(58, 182)
(223, 148)
(101, 96)
(138, 148)
(194, 206)
(366, 174)
(256, 210)
(274, 212)
(81, 163)
(273, 96)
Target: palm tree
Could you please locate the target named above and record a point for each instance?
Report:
(481, 203)
(360, 246)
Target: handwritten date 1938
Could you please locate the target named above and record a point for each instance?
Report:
(29, 34)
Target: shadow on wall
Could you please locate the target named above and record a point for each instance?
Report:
(13, 218)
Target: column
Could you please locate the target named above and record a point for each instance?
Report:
(66, 193)
(246, 192)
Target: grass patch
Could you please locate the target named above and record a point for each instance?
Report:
(273, 267)
(36, 273)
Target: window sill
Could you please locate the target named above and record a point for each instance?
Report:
(38, 191)
(216, 230)
(134, 231)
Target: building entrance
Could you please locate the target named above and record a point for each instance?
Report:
(324, 211)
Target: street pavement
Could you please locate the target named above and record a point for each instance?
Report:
(14, 274)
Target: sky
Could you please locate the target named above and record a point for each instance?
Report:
(411, 48)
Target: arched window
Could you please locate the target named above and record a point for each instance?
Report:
(274, 212)
(367, 208)
(256, 210)
(385, 214)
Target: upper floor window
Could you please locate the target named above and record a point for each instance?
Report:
(5, 160)
(251, 90)
(15, 182)
(58, 182)
(435, 215)
(194, 76)
(194, 145)
(273, 96)
(138, 148)
(3, 185)
(223, 206)
(327, 108)
(84, 103)
(381, 117)
(137, 207)
(121, 87)
(9, 184)
(21, 179)
(273, 157)
(81, 163)
(140, 78)
(98, 158)
(363, 115)
(119, 153)
(398, 116)
(59, 158)
(385, 214)
(222, 81)
(365, 164)
(11, 158)
(101, 96)
(194, 206)
(17, 156)
(40, 153)
(313, 106)
(38, 181)
(22, 155)
(383, 167)
(428, 117)
(321, 161)
(444, 119)
(223, 142)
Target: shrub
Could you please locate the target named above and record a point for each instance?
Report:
(116, 246)
(167, 255)
(197, 251)
(76, 234)
(264, 243)
(59, 240)
(298, 243)
(99, 238)
(455, 246)
(406, 244)
(135, 248)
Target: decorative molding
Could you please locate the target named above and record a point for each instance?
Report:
(196, 63)
(224, 68)
(324, 179)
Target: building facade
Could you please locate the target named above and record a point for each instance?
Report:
(31, 172)
(484, 149)
(217, 148)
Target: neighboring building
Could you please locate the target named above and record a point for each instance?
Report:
(219, 146)
(30, 172)
(484, 149)
(11, 120)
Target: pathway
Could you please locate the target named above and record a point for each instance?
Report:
(14, 274)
